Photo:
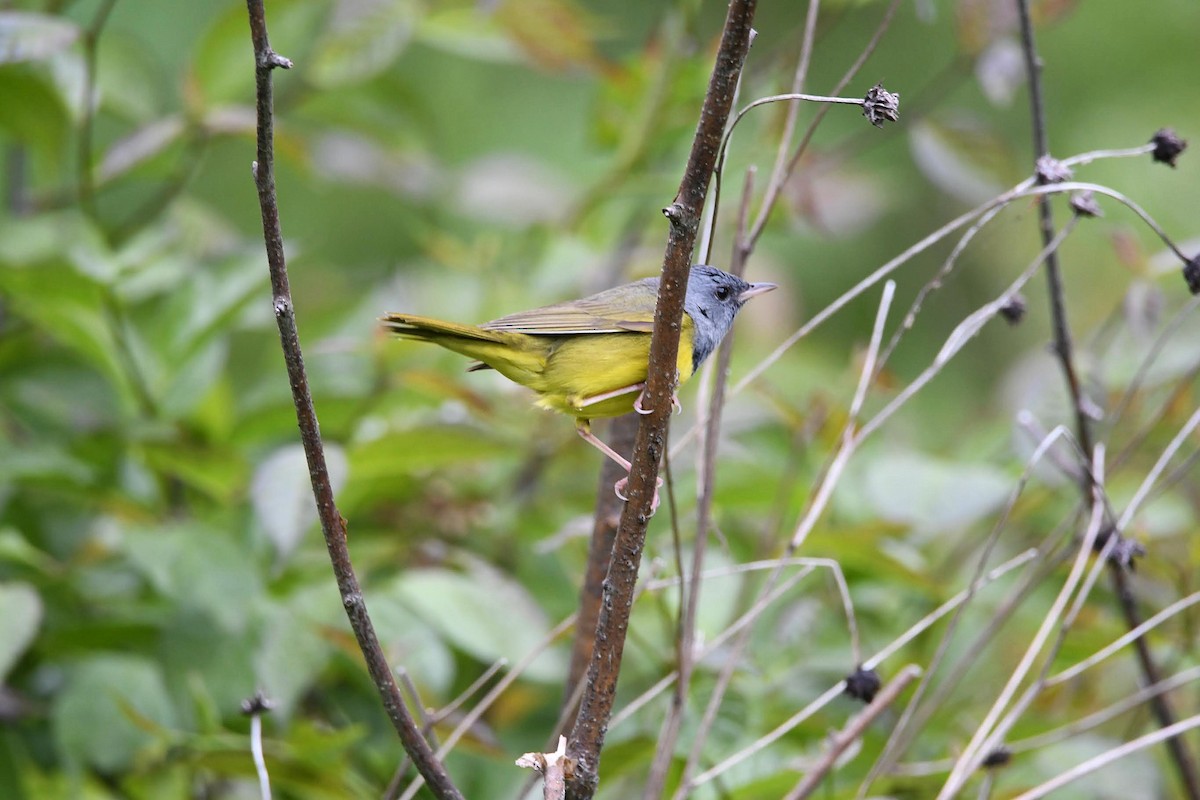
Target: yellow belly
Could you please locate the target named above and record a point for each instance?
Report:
(588, 366)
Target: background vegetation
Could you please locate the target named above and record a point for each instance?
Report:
(159, 559)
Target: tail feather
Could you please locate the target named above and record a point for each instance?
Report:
(411, 326)
(517, 356)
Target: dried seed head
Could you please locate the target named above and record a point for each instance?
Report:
(880, 106)
(1084, 204)
(1014, 309)
(1051, 170)
(1167, 146)
(863, 684)
(1191, 274)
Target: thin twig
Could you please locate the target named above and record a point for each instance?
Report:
(489, 699)
(977, 748)
(1160, 704)
(333, 526)
(1168, 734)
(853, 730)
(91, 47)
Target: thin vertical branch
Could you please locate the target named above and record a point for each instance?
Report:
(91, 43)
(333, 526)
(587, 736)
(600, 549)
(1160, 704)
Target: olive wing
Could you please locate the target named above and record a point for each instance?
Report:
(622, 308)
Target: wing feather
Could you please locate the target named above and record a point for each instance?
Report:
(623, 308)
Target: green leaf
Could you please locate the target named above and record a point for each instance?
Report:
(424, 448)
(410, 643)
(281, 492)
(216, 471)
(930, 495)
(20, 618)
(362, 40)
(483, 612)
(139, 147)
(42, 461)
(114, 706)
(26, 36)
(34, 112)
(223, 66)
(295, 644)
(225, 588)
(16, 549)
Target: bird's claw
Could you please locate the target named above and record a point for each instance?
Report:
(619, 491)
(676, 406)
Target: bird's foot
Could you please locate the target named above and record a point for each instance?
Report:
(676, 406)
(619, 490)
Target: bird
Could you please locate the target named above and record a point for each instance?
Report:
(588, 358)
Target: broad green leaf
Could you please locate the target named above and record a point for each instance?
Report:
(223, 65)
(113, 708)
(423, 448)
(139, 147)
(169, 557)
(42, 461)
(281, 492)
(361, 40)
(296, 646)
(409, 642)
(217, 471)
(34, 112)
(931, 495)
(16, 549)
(26, 36)
(20, 618)
(962, 157)
(485, 613)
(467, 33)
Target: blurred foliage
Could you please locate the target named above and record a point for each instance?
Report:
(159, 559)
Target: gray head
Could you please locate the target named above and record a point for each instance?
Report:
(713, 299)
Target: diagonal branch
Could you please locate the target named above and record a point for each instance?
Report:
(587, 736)
(333, 526)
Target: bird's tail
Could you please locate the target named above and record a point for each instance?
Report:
(516, 355)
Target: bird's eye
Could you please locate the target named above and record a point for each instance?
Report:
(722, 293)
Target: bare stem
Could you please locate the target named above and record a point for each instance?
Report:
(587, 736)
(333, 526)
(1159, 704)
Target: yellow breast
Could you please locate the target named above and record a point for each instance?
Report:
(592, 365)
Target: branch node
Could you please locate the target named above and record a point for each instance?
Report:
(283, 307)
(1123, 552)
(352, 600)
(880, 106)
(1167, 146)
(1050, 170)
(273, 60)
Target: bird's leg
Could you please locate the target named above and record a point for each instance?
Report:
(584, 429)
(597, 398)
(639, 408)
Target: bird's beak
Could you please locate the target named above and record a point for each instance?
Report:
(756, 289)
